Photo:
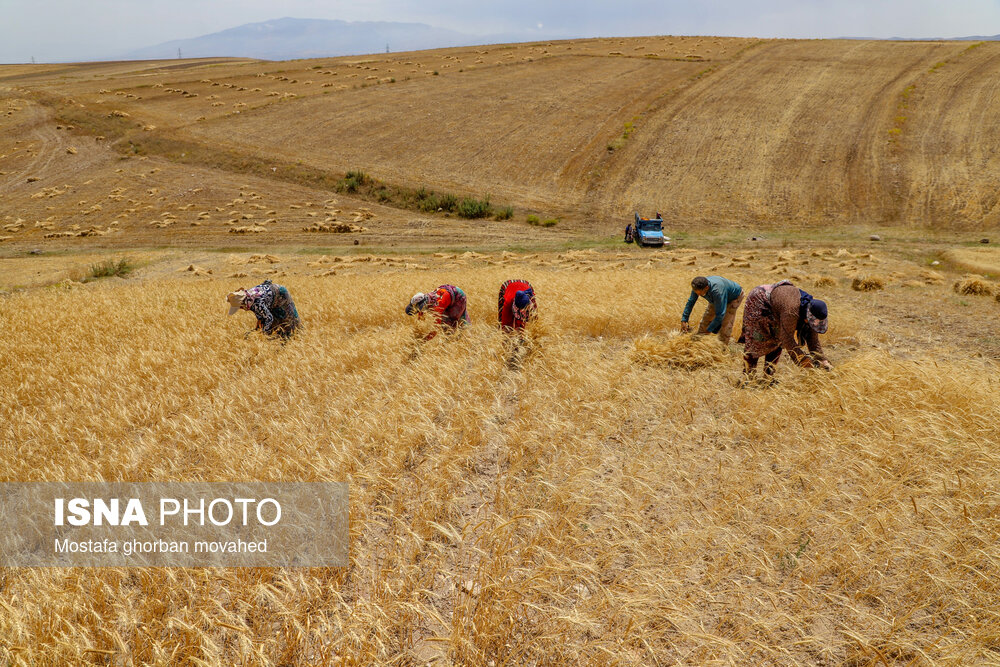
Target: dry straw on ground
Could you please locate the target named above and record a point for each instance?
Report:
(973, 286)
(679, 351)
(868, 283)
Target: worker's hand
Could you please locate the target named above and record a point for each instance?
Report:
(806, 362)
(825, 365)
(685, 327)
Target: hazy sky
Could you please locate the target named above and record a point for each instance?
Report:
(60, 30)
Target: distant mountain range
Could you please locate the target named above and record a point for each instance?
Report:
(289, 38)
(975, 38)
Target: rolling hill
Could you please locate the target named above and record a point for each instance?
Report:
(708, 131)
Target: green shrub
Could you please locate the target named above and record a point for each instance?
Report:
(353, 180)
(474, 208)
(534, 219)
(506, 213)
(425, 200)
(448, 202)
(551, 222)
(110, 267)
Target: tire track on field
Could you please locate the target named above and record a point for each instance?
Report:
(52, 144)
(974, 147)
(610, 191)
(876, 181)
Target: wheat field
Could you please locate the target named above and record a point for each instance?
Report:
(555, 502)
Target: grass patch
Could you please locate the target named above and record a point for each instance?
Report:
(902, 105)
(535, 221)
(626, 133)
(110, 268)
(361, 184)
(352, 181)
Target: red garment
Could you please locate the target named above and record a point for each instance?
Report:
(449, 305)
(506, 305)
(440, 300)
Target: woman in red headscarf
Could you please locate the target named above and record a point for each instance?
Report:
(516, 304)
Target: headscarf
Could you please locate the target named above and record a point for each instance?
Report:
(816, 316)
(521, 308)
(812, 312)
(418, 302)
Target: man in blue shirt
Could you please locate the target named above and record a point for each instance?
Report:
(724, 298)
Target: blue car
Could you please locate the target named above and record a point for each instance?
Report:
(649, 231)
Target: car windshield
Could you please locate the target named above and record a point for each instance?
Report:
(650, 226)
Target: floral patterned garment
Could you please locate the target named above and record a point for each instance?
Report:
(273, 307)
(758, 331)
(449, 302)
(509, 316)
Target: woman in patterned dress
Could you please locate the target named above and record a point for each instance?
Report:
(515, 305)
(773, 317)
(447, 302)
(273, 306)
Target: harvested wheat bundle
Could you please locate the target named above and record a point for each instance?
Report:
(931, 277)
(679, 351)
(257, 258)
(869, 283)
(197, 270)
(824, 281)
(334, 228)
(974, 286)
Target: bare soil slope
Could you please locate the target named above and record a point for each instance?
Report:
(708, 131)
(514, 131)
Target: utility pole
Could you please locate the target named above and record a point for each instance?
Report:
(32, 60)
(387, 47)
(178, 54)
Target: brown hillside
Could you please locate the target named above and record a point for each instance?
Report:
(705, 130)
(813, 131)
